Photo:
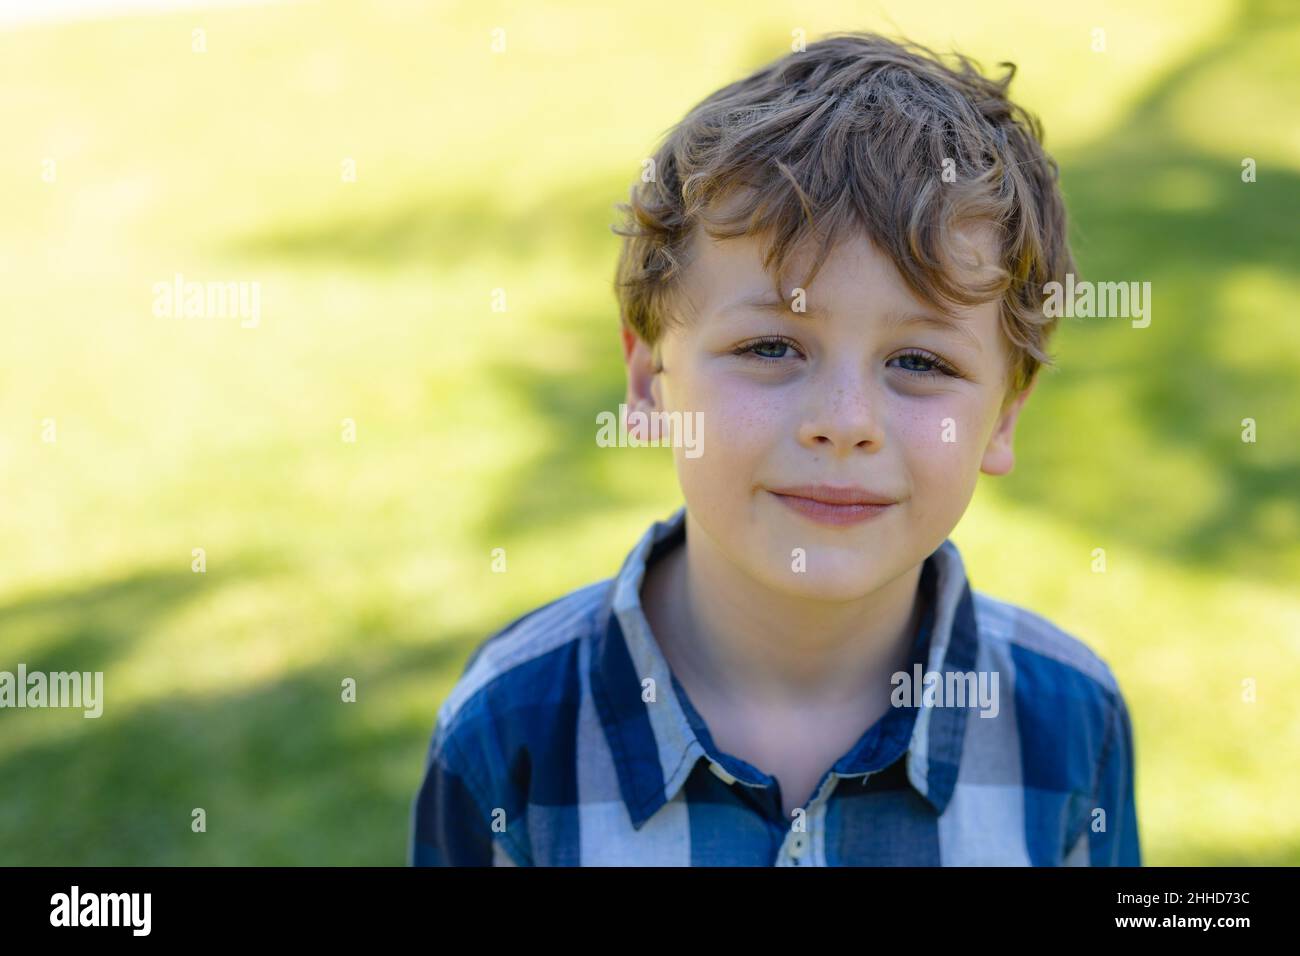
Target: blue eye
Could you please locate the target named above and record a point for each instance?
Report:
(924, 363)
(771, 349)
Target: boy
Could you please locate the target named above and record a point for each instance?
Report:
(838, 267)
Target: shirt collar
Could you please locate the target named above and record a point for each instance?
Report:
(656, 743)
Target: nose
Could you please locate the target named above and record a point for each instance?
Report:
(843, 413)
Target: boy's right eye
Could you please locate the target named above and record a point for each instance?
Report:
(771, 348)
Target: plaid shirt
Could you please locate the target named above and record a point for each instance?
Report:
(546, 753)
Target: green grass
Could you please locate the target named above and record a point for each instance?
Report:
(371, 560)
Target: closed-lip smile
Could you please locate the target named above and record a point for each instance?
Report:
(833, 504)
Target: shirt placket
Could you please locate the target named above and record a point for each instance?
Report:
(807, 847)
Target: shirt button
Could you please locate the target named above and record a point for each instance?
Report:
(721, 774)
(798, 847)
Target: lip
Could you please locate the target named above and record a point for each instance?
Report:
(836, 505)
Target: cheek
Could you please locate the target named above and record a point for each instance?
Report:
(741, 422)
(942, 441)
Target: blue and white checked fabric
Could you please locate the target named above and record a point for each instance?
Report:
(545, 753)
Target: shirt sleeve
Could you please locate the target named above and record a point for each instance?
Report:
(450, 826)
(1116, 843)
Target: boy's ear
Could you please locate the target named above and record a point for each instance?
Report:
(999, 455)
(641, 371)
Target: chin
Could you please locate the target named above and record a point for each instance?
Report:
(828, 578)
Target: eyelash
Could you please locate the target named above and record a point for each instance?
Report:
(750, 349)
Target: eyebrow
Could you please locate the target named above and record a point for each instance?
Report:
(766, 302)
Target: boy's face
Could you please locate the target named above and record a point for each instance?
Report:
(861, 392)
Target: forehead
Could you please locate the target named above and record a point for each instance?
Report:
(856, 277)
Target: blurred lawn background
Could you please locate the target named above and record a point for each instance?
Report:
(474, 429)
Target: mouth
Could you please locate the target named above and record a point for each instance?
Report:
(836, 505)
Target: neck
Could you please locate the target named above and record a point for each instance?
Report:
(750, 643)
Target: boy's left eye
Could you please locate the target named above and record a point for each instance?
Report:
(924, 363)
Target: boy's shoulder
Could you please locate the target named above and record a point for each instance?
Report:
(497, 734)
(1072, 726)
(529, 661)
(1018, 633)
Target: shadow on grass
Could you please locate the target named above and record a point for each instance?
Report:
(571, 476)
(444, 231)
(86, 628)
(286, 772)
